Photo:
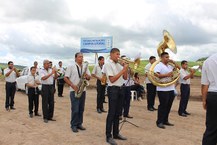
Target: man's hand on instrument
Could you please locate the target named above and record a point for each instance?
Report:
(170, 74)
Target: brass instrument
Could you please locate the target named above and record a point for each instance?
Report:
(168, 42)
(104, 79)
(83, 82)
(133, 65)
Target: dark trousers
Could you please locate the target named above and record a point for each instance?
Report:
(139, 89)
(60, 85)
(33, 96)
(185, 93)
(151, 93)
(126, 100)
(100, 94)
(77, 108)
(112, 121)
(166, 100)
(47, 94)
(210, 135)
(10, 92)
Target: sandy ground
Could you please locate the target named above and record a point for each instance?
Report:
(16, 128)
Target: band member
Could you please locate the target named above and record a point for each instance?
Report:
(151, 88)
(60, 79)
(166, 94)
(47, 92)
(73, 76)
(97, 73)
(115, 75)
(54, 82)
(11, 74)
(33, 91)
(185, 77)
(209, 97)
(126, 97)
(36, 67)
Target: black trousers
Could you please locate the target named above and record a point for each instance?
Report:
(126, 100)
(210, 135)
(185, 93)
(10, 92)
(60, 85)
(47, 93)
(77, 108)
(33, 96)
(112, 121)
(151, 93)
(166, 100)
(100, 94)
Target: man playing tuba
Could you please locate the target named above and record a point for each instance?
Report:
(166, 94)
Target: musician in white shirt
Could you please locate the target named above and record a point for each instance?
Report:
(11, 74)
(60, 79)
(33, 91)
(184, 81)
(97, 73)
(74, 74)
(47, 92)
(209, 97)
(165, 94)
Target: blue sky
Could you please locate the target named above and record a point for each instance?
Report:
(51, 29)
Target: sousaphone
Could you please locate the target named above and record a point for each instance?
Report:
(168, 42)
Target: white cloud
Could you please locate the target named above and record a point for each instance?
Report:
(51, 29)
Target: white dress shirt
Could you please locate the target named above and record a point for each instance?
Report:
(147, 67)
(163, 69)
(97, 70)
(12, 77)
(48, 81)
(31, 79)
(184, 73)
(209, 73)
(111, 69)
(72, 74)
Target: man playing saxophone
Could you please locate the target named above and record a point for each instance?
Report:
(73, 75)
(100, 83)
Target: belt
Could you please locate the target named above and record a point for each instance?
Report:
(47, 84)
(10, 82)
(115, 87)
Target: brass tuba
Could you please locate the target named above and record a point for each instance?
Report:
(168, 42)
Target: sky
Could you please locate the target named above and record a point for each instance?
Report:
(51, 29)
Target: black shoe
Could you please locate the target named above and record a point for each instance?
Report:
(74, 129)
(111, 141)
(150, 109)
(12, 108)
(81, 127)
(120, 137)
(183, 115)
(128, 116)
(7, 109)
(187, 113)
(105, 102)
(45, 121)
(99, 111)
(102, 110)
(31, 115)
(168, 124)
(50, 119)
(160, 125)
(36, 114)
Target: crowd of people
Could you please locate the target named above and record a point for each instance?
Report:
(119, 79)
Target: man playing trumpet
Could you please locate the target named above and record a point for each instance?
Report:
(116, 74)
(185, 77)
(11, 74)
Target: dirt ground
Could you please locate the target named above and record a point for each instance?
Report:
(16, 128)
